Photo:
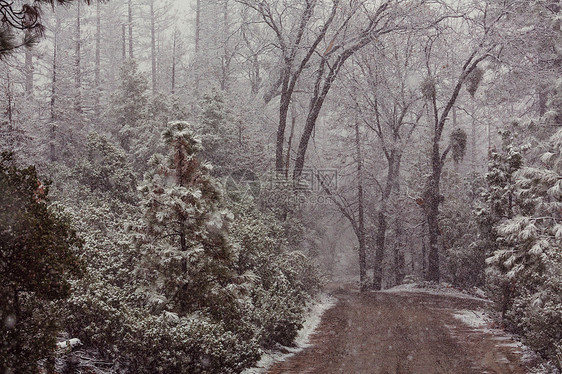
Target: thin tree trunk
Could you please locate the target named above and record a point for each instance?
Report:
(197, 25)
(97, 62)
(432, 193)
(174, 62)
(226, 53)
(77, 62)
(473, 154)
(53, 155)
(197, 43)
(289, 79)
(28, 72)
(9, 109)
(288, 158)
(153, 45)
(124, 39)
(283, 112)
(398, 254)
(379, 252)
(256, 79)
(323, 86)
(130, 25)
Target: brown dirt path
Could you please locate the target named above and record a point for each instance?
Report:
(388, 333)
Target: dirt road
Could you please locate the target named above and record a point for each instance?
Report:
(401, 333)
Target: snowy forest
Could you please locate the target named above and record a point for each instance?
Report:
(180, 180)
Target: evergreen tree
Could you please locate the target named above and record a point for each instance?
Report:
(498, 203)
(128, 104)
(185, 229)
(218, 135)
(529, 256)
(37, 257)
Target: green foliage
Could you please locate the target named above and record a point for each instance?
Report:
(37, 258)
(496, 203)
(20, 27)
(458, 144)
(538, 315)
(193, 344)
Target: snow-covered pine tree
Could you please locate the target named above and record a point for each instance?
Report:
(128, 104)
(530, 255)
(185, 231)
(218, 134)
(498, 203)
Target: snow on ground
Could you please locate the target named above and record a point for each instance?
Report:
(477, 319)
(439, 289)
(482, 322)
(69, 343)
(473, 318)
(317, 308)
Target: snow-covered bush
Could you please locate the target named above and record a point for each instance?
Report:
(284, 279)
(142, 342)
(194, 343)
(538, 316)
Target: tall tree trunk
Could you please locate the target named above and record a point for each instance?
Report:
(197, 43)
(284, 103)
(197, 25)
(256, 78)
(174, 62)
(432, 199)
(322, 87)
(290, 143)
(392, 183)
(153, 45)
(28, 72)
(77, 62)
(124, 40)
(97, 63)
(379, 243)
(432, 194)
(9, 107)
(130, 25)
(53, 154)
(398, 254)
(361, 214)
(473, 153)
(226, 53)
